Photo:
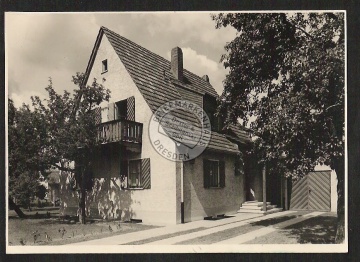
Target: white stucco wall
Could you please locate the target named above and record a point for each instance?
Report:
(157, 204)
(200, 202)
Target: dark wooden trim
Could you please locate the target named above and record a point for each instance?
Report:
(92, 56)
(264, 187)
(182, 213)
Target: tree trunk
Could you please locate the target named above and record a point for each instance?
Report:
(16, 208)
(82, 198)
(82, 206)
(340, 232)
(29, 205)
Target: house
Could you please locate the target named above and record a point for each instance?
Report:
(52, 185)
(53, 182)
(132, 177)
(134, 181)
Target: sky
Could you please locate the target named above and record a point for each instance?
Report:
(57, 45)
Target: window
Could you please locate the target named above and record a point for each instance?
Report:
(135, 173)
(214, 173)
(214, 178)
(121, 110)
(104, 66)
(209, 105)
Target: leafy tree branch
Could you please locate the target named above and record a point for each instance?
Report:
(286, 82)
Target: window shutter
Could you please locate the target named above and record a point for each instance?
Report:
(222, 173)
(206, 173)
(111, 112)
(130, 108)
(145, 173)
(97, 113)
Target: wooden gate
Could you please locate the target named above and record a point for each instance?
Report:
(313, 192)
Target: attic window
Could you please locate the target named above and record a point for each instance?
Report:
(104, 66)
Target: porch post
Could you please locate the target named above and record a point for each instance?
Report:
(264, 187)
(286, 194)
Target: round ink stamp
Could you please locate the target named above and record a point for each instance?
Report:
(179, 130)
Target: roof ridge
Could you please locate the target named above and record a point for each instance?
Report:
(133, 43)
(199, 78)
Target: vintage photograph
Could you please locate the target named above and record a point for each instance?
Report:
(156, 132)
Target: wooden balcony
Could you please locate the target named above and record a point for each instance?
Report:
(120, 131)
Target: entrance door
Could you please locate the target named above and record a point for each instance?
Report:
(312, 192)
(251, 175)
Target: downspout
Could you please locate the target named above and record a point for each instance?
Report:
(182, 210)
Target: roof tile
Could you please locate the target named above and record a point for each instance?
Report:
(150, 73)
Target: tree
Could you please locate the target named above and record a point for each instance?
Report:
(70, 133)
(26, 144)
(40, 192)
(286, 74)
(25, 189)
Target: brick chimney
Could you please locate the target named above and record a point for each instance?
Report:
(206, 78)
(177, 63)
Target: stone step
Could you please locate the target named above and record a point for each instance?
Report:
(251, 207)
(269, 207)
(274, 210)
(253, 211)
(257, 208)
(256, 204)
(260, 204)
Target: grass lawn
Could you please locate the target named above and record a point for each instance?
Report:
(316, 230)
(60, 232)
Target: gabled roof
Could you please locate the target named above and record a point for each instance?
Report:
(239, 133)
(153, 66)
(152, 76)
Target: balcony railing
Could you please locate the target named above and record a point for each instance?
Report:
(120, 131)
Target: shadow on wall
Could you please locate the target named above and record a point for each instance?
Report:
(106, 200)
(68, 196)
(203, 202)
